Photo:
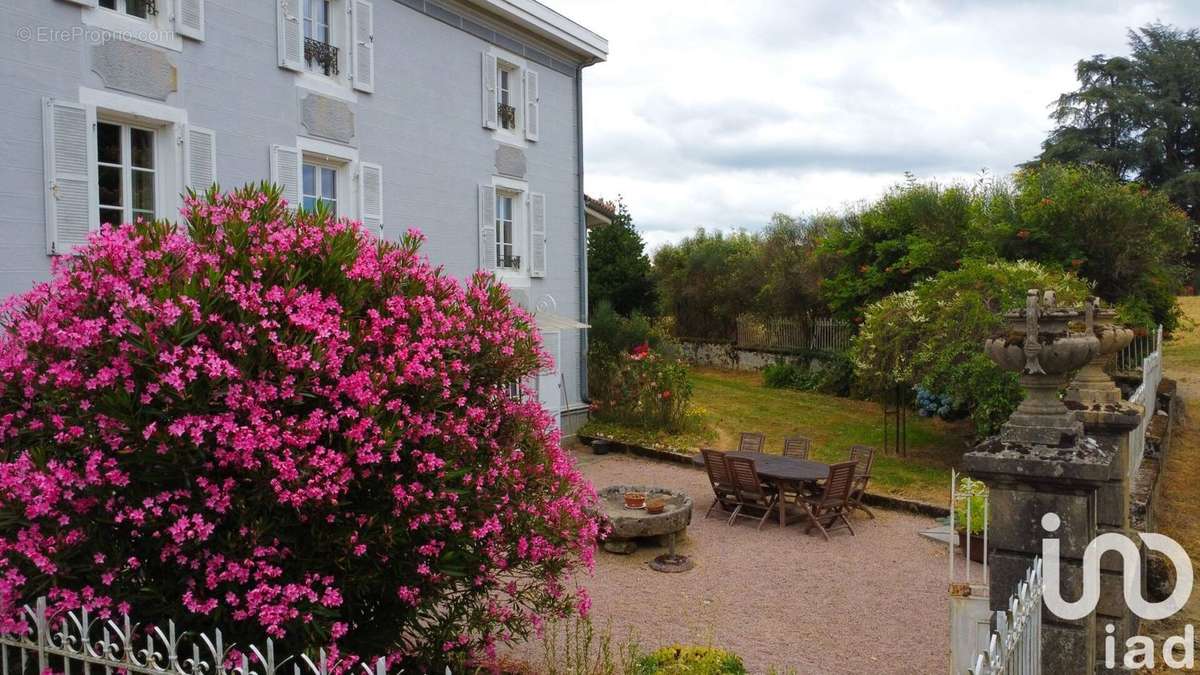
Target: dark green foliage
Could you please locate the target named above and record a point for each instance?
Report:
(618, 267)
(1131, 242)
(916, 230)
(1137, 115)
(834, 374)
(707, 280)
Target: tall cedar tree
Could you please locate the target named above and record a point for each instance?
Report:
(1138, 115)
(618, 267)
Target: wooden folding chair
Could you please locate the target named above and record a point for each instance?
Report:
(719, 478)
(864, 456)
(752, 441)
(797, 446)
(829, 507)
(751, 493)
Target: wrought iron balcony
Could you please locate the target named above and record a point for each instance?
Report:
(507, 115)
(325, 55)
(511, 262)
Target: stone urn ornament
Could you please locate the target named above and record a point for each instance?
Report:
(1092, 387)
(1044, 343)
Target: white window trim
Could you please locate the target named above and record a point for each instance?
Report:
(169, 124)
(520, 189)
(155, 30)
(341, 157)
(516, 97)
(311, 77)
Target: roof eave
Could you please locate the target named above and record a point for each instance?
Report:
(551, 25)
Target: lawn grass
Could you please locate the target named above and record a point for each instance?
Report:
(1177, 511)
(730, 402)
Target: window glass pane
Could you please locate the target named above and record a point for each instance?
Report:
(329, 183)
(111, 216)
(108, 143)
(110, 185)
(141, 148)
(143, 190)
(108, 4)
(310, 179)
(139, 8)
(310, 203)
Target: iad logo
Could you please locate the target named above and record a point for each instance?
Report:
(1139, 649)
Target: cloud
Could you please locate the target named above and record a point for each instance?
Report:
(711, 114)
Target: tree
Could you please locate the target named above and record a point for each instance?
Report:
(707, 280)
(1137, 115)
(618, 267)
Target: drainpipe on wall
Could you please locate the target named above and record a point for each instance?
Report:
(583, 259)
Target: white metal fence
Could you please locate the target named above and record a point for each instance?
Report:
(80, 643)
(828, 335)
(1015, 647)
(1142, 346)
(1146, 395)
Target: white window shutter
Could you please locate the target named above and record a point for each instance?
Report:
(533, 105)
(370, 194)
(290, 36)
(285, 172)
(72, 196)
(362, 20)
(189, 18)
(537, 234)
(490, 115)
(200, 158)
(85, 3)
(487, 227)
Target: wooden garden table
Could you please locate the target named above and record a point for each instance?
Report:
(780, 471)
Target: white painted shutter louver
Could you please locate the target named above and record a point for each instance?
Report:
(490, 115)
(370, 192)
(363, 53)
(200, 158)
(533, 106)
(70, 151)
(537, 234)
(85, 3)
(189, 18)
(290, 34)
(487, 227)
(285, 172)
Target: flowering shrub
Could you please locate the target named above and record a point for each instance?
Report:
(642, 387)
(932, 336)
(275, 424)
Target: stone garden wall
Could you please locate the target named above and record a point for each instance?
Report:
(729, 356)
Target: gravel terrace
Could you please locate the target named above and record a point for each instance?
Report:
(871, 603)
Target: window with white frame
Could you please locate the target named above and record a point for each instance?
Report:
(507, 256)
(126, 172)
(507, 77)
(142, 9)
(511, 97)
(320, 37)
(319, 184)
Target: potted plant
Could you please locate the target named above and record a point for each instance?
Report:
(970, 513)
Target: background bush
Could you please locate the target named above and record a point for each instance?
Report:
(274, 424)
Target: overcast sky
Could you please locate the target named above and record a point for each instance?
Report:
(716, 114)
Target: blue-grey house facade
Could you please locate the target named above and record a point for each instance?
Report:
(457, 117)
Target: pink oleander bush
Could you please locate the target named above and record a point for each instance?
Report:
(278, 425)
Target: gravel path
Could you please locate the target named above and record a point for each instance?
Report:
(872, 603)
